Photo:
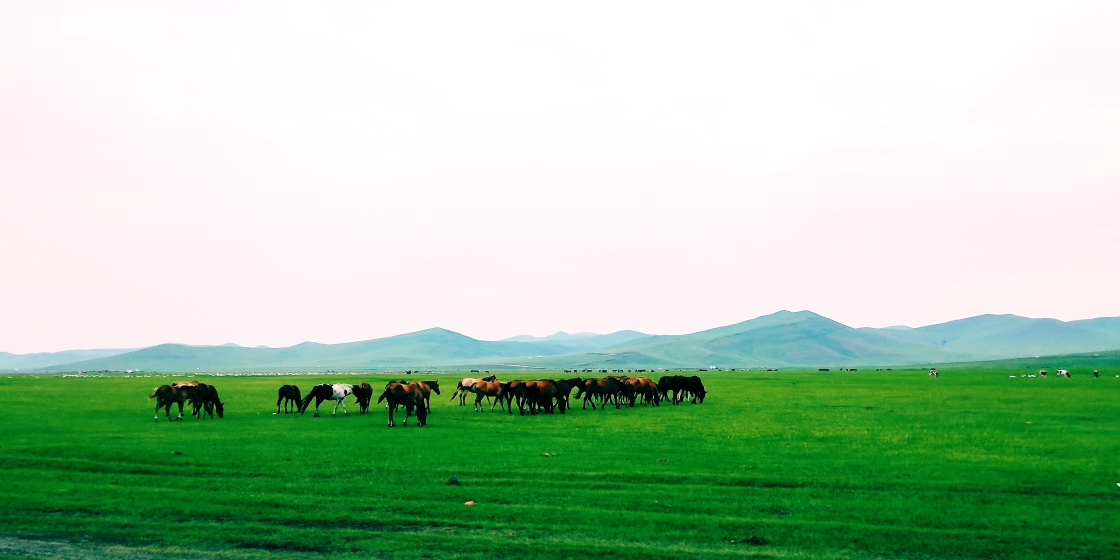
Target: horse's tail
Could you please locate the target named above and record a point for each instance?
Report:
(384, 395)
(455, 394)
(153, 393)
(307, 401)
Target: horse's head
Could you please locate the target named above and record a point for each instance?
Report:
(220, 408)
(434, 386)
(490, 378)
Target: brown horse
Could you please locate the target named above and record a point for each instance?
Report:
(465, 385)
(643, 387)
(166, 395)
(429, 387)
(364, 394)
(407, 395)
(486, 389)
(606, 388)
(289, 395)
(539, 396)
(206, 401)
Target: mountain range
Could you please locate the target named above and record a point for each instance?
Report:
(782, 339)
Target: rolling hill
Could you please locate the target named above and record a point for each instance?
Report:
(806, 339)
(46, 359)
(782, 339)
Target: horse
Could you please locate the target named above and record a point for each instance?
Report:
(427, 388)
(465, 385)
(206, 401)
(325, 391)
(539, 395)
(289, 395)
(565, 386)
(486, 389)
(644, 387)
(166, 395)
(364, 394)
(606, 388)
(670, 384)
(696, 387)
(407, 395)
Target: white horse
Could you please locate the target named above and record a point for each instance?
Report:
(323, 392)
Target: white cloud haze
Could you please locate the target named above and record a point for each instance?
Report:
(269, 173)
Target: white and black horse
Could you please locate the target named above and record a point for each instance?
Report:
(324, 392)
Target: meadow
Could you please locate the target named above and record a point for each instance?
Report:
(789, 464)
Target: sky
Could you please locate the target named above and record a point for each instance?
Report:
(270, 173)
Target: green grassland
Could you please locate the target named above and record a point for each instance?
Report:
(790, 464)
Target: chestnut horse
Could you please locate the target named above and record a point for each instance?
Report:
(487, 389)
(289, 395)
(465, 385)
(429, 387)
(407, 395)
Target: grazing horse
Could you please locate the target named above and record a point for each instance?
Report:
(486, 389)
(645, 388)
(465, 385)
(694, 386)
(166, 395)
(290, 396)
(407, 395)
(364, 394)
(427, 388)
(565, 386)
(673, 384)
(320, 393)
(206, 401)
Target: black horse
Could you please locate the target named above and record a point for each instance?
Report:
(290, 396)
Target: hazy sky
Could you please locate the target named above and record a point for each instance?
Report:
(269, 174)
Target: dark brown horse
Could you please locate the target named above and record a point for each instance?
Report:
(606, 388)
(206, 401)
(364, 394)
(166, 395)
(407, 395)
(289, 395)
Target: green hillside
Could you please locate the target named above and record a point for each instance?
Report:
(427, 348)
(782, 339)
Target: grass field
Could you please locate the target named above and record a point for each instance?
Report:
(774, 465)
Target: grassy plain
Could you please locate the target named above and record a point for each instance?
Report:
(973, 464)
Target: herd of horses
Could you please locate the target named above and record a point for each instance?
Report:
(203, 399)
(530, 396)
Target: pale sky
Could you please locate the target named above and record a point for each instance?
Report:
(269, 174)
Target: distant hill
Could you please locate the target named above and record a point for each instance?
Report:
(46, 359)
(782, 339)
(581, 341)
(427, 348)
(806, 339)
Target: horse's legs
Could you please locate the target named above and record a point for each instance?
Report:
(158, 404)
(477, 402)
(318, 401)
(180, 418)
